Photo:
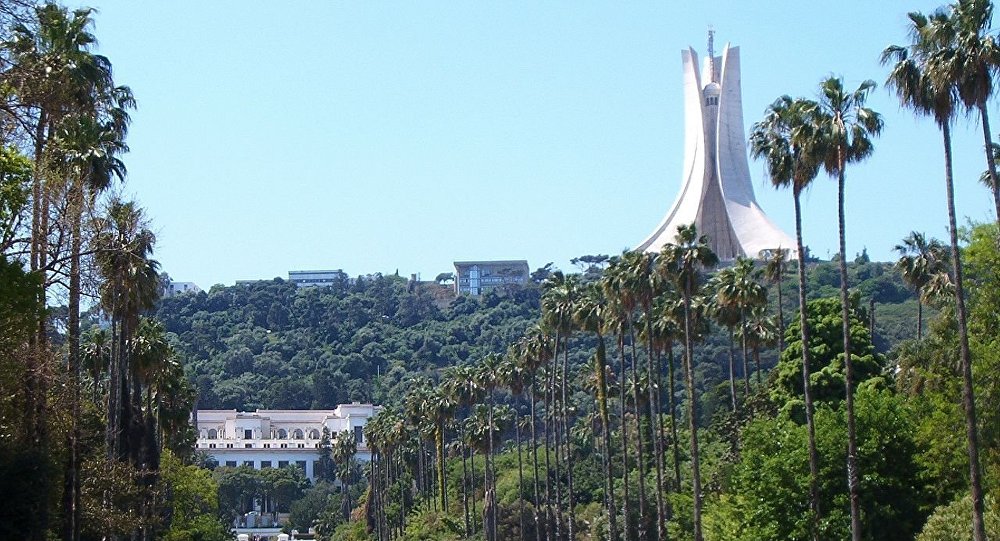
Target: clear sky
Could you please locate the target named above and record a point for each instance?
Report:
(376, 136)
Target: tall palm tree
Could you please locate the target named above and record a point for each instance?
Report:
(973, 63)
(774, 272)
(683, 262)
(88, 150)
(559, 297)
(344, 449)
(537, 351)
(846, 128)
(625, 281)
(644, 283)
(925, 80)
(759, 332)
(666, 329)
(748, 294)
(919, 261)
(726, 313)
(513, 375)
(123, 246)
(590, 314)
(441, 406)
(785, 139)
(459, 384)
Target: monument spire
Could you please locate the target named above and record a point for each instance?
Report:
(711, 54)
(716, 192)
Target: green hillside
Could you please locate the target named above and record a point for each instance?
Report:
(270, 344)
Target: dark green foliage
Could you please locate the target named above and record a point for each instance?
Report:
(768, 498)
(272, 345)
(827, 348)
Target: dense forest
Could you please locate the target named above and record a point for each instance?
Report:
(647, 396)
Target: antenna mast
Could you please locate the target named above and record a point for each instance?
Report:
(711, 53)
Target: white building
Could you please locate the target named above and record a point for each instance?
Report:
(716, 192)
(479, 277)
(279, 438)
(178, 288)
(310, 278)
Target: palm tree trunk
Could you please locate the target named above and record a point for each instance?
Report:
(968, 393)
(671, 403)
(72, 510)
(602, 404)
(520, 473)
(639, 455)
(547, 429)
(472, 483)
(991, 164)
(756, 361)
(852, 437)
(654, 417)
(732, 369)
(781, 314)
(534, 461)
(570, 504)
(556, 440)
(492, 474)
(623, 411)
(806, 385)
(442, 487)
(746, 361)
(465, 484)
(692, 410)
(920, 319)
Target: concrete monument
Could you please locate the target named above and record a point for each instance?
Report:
(716, 193)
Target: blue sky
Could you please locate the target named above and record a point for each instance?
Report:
(376, 136)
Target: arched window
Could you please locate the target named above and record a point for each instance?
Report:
(282, 434)
(297, 434)
(314, 434)
(213, 435)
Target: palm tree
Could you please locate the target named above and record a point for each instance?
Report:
(925, 81)
(785, 140)
(641, 277)
(846, 128)
(95, 357)
(459, 383)
(590, 314)
(748, 294)
(560, 295)
(123, 246)
(513, 376)
(665, 332)
(974, 61)
(726, 313)
(774, 272)
(919, 261)
(625, 281)
(344, 449)
(759, 332)
(88, 150)
(683, 262)
(441, 405)
(537, 351)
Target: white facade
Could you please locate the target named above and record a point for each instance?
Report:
(716, 191)
(311, 278)
(279, 438)
(177, 288)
